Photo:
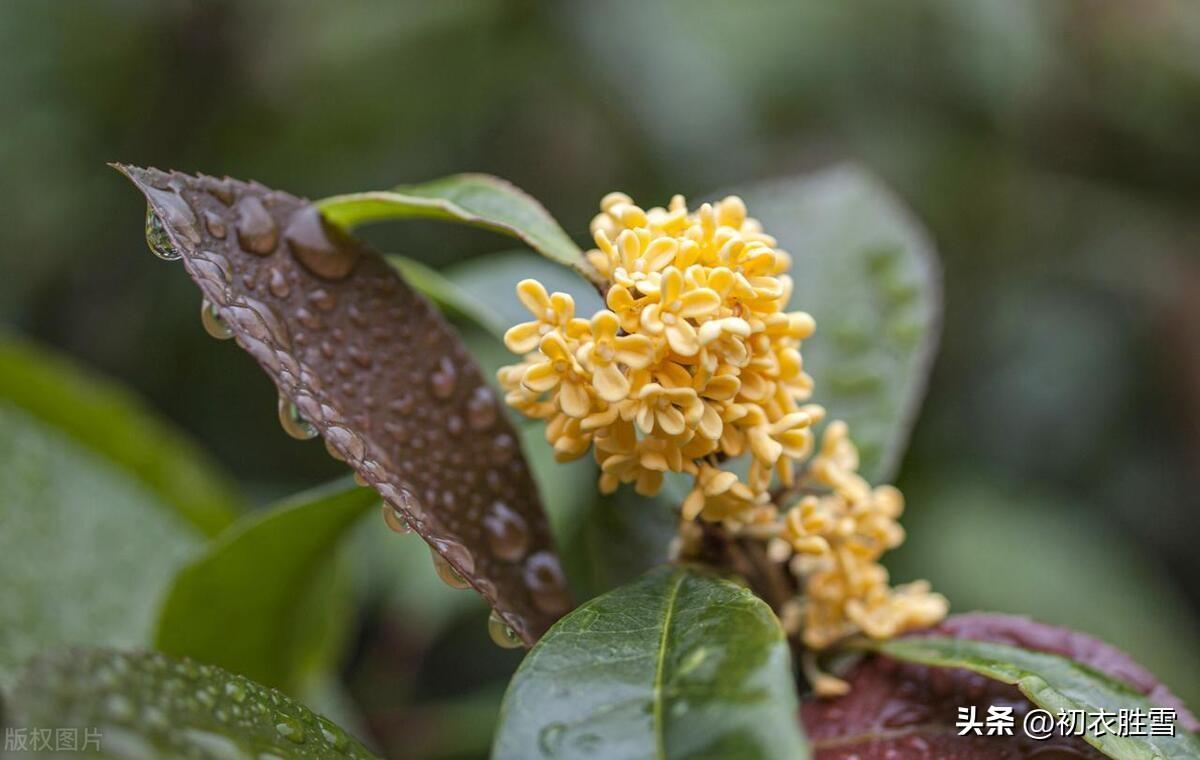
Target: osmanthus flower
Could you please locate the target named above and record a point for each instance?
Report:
(694, 363)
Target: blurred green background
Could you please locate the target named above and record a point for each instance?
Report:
(1049, 145)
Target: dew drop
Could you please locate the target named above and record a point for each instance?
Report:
(213, 324)
(157, 239)
(481, 409)
(348, 441)
(293, 423)
(222, 190)
(321, 248)
(334, 736)
(507, 532)
(394, 520)
(334, 452)
(235, 691)
(322, 299)
(215, 226)
(502, 633)
(444, 378)
(447, 573)
(547, 584)
(278, 284)
(256, 229)
(289, 728)
(504, 446)
(119, 708)
(550, 739)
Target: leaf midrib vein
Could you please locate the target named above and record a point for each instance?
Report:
(659, 668)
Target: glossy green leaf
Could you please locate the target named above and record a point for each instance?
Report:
(492, 280)
(143, 706)
(1053, 683)
(260, 579)
(110, 421)
(867, 272)
(677, 664)
(86, 548)
(476, 199)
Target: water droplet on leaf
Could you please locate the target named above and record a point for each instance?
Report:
(157, 239)
(447, 573)
(321, 248)
(257, 232)
(394, 520)
(502, 633)
(293, 423)
(289, 728)
(507, 532)
(444, 378)
(213, 324)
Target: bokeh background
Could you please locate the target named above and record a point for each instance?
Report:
(1050, 146)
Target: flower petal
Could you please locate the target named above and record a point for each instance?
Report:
(534, 296)
(573, 399)
(610, 383)
(523, 338)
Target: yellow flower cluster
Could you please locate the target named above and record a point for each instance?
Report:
(693, 363)
(838, 538)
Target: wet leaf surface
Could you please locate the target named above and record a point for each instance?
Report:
(86, 549)
(361, 359)
(476, 199)
(678, 664)
(907, 710)
(139, 706)
(259, 578)
(867, 271)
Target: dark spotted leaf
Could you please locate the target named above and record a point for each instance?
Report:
(145, 706)
(678, 664)
(370, 365)
(867, 271)
(476, 199)
(909, 709)
(261, 578)
(455, 302)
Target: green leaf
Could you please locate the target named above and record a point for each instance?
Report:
(867, 272)
(1053, 683)
(86, 548)
(492, 281)
(109, 420)
(260, 579)
(677, 664)
(135, 706)
(476, 199)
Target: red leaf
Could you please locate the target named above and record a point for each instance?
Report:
(377, 371)
(904, 711)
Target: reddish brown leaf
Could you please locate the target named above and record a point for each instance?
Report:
(377, 371)
(903, 711)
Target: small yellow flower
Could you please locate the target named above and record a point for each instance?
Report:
(559, 370)
(675, 308)
(550, 312)
(605, 349)
(695, 361)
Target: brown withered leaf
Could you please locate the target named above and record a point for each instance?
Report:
(377, 371)
(905, 711)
